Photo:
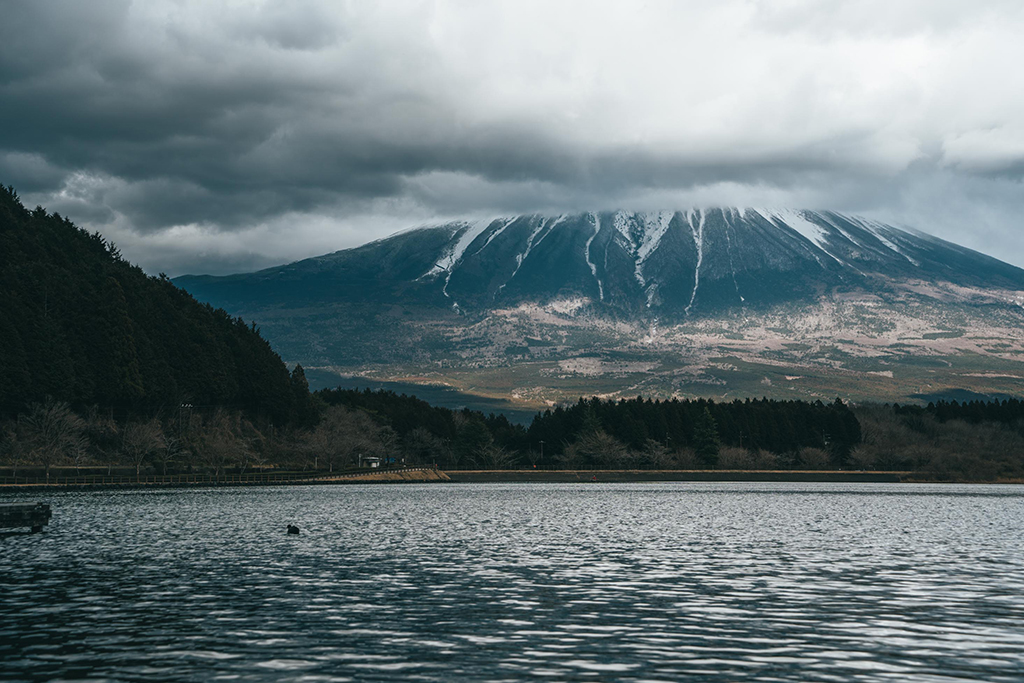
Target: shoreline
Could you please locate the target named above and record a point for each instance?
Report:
(430, 475)
(408, 475)
(641, 476)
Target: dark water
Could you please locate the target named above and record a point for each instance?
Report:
(801, 582)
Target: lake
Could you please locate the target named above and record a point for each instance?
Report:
(653, 582)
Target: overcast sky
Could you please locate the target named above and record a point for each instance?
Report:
(221, 137)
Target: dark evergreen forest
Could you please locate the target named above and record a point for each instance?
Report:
(1008, 411)
(775, 426)
(81, 325)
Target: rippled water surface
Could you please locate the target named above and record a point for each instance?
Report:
(508, 582)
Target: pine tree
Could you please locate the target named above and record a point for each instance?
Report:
(303, 408)
(472, 441)
(705, 439)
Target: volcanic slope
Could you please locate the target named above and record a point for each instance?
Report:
(717, 302)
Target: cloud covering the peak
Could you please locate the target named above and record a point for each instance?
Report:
(227, 136)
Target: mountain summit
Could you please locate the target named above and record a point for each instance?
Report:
(609, 294)
(694, 261)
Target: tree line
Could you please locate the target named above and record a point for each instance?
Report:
(347, 426)
(629, 433)
(187, 439)
(945, 440)
(1006, 411)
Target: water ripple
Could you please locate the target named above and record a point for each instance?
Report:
(646, 582)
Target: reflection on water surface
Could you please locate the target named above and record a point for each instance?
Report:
(830, 582)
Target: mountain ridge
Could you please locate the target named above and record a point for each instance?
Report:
(675, 302)
(655, 258)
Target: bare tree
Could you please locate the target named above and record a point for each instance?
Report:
(104, 437)
(814, 459)
(655, 455)
(423, 447)
(172, 450)
(217, 442)
(249, 442)
(685, 459)
(331, 440)
(595, 450)
(497, 457)
(79, 454)
(732, 458)
(53, 433)
(533, 457)
(387, 441)
(225, 438)
(259, 459)
(765, 460)
(139, 441)
(10, 446)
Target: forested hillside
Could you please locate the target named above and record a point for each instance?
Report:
(80, 324)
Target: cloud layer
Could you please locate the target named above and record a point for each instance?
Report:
(226, 136)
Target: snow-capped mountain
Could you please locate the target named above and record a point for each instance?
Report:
(695, 284)
(687, 262)
(667, 263)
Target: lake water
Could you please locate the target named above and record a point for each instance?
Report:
(654, 582)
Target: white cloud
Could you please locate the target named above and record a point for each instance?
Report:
(993, 149)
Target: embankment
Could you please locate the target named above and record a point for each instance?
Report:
(392, 476)
(466, 476)
(385, 476)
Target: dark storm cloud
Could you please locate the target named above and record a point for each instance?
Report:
(243, 133)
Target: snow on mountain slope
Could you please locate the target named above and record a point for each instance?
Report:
(750, 301)
(696, 262)
(693, 262)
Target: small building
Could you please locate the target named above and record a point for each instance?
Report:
(369, 461)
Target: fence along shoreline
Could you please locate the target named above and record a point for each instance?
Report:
(61, 482)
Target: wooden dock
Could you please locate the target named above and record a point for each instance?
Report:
(33, 515)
